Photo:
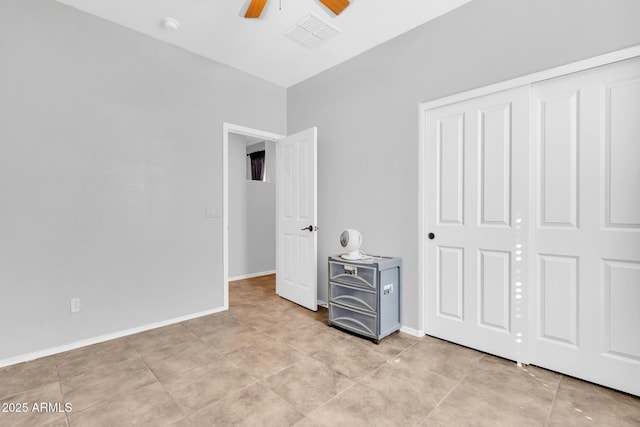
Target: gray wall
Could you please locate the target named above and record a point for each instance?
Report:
(252, 212)
(110, 151)
(366, 109)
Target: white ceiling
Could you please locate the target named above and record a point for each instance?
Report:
(216, 29)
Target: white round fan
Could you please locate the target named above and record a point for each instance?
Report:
(351, 240)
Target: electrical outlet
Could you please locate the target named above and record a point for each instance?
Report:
(387, 289)
(75, 305)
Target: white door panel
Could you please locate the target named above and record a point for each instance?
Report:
(296, 269)
(476, 176)
(586, 237)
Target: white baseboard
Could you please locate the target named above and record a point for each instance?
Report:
(252, 275)
(102, 338)
(411, 331)
(323, 304)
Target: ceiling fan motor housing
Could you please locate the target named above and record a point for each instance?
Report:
(256, 6)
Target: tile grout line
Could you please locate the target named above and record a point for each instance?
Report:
(361, 378)
(196, 367)
(306, 355)
(553, 401)
(139, 356)
(160, 381)
(449, 392)
(66, 414)
(256, 381)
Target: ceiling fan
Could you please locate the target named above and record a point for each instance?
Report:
(255, 8)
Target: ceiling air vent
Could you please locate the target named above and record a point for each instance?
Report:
(311, 31)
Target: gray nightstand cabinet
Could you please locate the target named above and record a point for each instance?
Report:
(364, 297)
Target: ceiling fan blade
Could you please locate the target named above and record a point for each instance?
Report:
(255, 9)
(336, 6)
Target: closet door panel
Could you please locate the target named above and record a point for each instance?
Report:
(494, 163)
(621, 105)
(477, 177)
(450, 152)
(557, 127)
(532, 197)
(586, 286)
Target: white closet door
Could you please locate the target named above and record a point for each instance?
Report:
(586, 225)
(476, 208)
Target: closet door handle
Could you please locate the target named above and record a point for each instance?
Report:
(309, 228)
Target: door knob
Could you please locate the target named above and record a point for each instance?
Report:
(309, 228)
(431, 236)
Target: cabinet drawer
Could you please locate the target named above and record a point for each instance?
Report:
(353, 320)
(357, 275)
(353, 297)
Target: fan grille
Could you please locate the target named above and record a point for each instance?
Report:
(311, 31)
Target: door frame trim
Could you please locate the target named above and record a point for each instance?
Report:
(228, 128)
(424, 107)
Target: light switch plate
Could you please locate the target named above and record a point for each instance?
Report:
(210, 213)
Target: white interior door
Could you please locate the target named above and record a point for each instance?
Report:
(296, 199)
(476, 209)
(586, 253)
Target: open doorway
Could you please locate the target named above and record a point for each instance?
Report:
(252, 207)
(296, 212)
(249, 205)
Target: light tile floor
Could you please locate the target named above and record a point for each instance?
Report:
(269, 362)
